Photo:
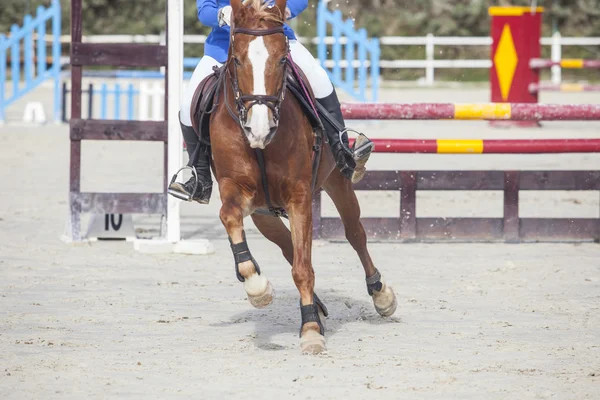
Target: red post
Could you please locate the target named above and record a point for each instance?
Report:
(516, 33)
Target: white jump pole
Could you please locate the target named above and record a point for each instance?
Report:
(172, 242)
(175, 75)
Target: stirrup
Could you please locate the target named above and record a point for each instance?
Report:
(365, 147)
(361, 151)
(179, 195)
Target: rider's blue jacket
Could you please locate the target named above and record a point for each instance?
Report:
(217, 43)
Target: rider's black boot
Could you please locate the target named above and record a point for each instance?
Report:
(350, 162)
(194, 189)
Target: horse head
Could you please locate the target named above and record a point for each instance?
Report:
(257, 67)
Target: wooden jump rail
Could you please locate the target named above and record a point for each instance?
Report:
(510, 228)
(575, 63)
(478, 146)
(106, 54)
(486, 111)
(564, 87)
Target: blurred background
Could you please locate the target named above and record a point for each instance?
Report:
(381, 18)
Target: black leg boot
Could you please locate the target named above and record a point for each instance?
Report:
(194, 189)
(350, 162)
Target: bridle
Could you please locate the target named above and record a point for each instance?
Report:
(273, 102)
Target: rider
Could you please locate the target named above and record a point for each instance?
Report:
(217, 14)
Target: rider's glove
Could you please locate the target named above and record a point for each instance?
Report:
(225, 16)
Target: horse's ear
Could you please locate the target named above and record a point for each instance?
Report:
(281, 4)
(236, 6)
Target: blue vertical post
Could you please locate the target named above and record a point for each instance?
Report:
(56, 31)
(41, 45)
(15, 73)
(375, 70)
(103, 99)
(337, 46)
(322, 32)
(28, 51)
(362, 58)
(365, 50)
(64, 103)
(130, 98)
(117, 93)
(352, 39)
(3, 48)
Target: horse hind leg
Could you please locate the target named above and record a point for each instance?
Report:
(258, 288)
(340, 190)
(275, 231)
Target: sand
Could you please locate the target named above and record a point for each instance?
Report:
(477, 321)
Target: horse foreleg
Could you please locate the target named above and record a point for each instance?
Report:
(235, 207)
(341, 192)
(313, 312)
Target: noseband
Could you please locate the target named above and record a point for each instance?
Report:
(273, 102)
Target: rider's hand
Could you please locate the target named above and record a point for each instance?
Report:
(225, 16)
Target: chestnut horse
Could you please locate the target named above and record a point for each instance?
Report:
(254, 120)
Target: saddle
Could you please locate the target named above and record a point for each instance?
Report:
(206, 100)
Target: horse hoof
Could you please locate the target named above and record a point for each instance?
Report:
(259, 290)
(264, 299)
(385, 301)
(312, 342)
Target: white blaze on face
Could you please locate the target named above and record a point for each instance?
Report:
(258, 123)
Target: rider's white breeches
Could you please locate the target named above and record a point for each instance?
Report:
(316, 75)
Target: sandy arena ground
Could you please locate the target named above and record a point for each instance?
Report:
(489, 321)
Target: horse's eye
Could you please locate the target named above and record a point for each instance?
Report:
(237, 61)
(283, 60)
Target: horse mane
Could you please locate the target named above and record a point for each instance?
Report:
(263, 11)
